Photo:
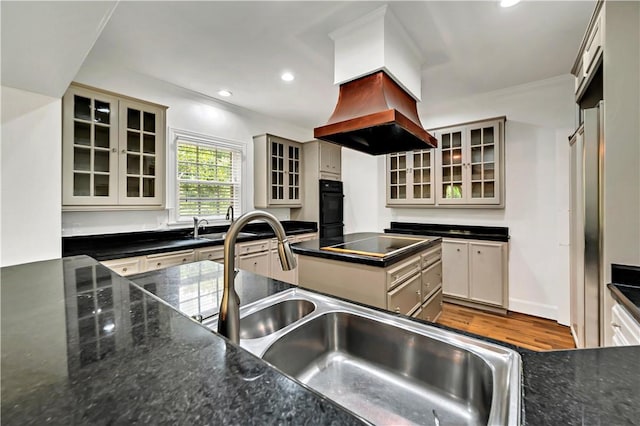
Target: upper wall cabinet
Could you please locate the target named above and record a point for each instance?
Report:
(113, 151)
(466, 170)
(410, 178)
(277, 172)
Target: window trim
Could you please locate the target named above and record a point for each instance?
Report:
(172, 170)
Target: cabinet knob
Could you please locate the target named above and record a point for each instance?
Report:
(114, 150)
(159, 264)
(184, 259)
(457, 249)
(478, 251)
(124, 151)
(124, 269)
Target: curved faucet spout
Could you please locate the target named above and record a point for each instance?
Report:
(229, 315)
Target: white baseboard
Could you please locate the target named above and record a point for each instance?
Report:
(535, 309)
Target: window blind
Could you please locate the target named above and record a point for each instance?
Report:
(208, 179)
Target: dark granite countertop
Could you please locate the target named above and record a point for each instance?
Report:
(104, 351)
(196, 288)
(487, 233)
(314, 248)
(82, 345)
(130, 244)
(582, 387)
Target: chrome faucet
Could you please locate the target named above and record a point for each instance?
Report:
(229, 209)
(196, 225)
(229, 315)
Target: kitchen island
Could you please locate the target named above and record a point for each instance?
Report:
(138, 359)
(399, 273)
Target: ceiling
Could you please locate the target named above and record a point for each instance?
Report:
(466, 47)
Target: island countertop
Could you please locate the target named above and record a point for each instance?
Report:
(82, 345)
(366, 242)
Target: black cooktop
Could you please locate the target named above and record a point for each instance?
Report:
(378, 246)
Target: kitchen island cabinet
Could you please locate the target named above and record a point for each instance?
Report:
(406, 280)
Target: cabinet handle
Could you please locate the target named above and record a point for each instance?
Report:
(419, 294)
(613, 324)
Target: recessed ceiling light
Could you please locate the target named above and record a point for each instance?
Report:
(509, 3)
(224, 93)
(287, 76)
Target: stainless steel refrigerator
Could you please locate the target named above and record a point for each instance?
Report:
(586, 266)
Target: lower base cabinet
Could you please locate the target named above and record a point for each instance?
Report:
(475, 273)
(257, 263)
(625, 329)
(260, 257)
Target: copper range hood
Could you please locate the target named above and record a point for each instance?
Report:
(377, 116)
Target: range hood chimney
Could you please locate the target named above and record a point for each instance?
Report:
(378, 69)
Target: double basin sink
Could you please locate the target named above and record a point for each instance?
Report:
(385, 368)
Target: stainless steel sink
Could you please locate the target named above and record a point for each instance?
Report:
(386, 368)
(274, 318)
(222, 235)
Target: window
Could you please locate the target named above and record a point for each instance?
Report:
(208, 177)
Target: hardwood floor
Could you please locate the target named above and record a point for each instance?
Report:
(526, 331)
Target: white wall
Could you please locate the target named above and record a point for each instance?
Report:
(187, 111)
(31, 177)
(540, 116)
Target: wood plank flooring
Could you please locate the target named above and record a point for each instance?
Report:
(526, 331)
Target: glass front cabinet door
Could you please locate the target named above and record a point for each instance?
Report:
(470, 164)
(410, 178)
(112, 151)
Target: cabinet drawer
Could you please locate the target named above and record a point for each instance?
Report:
(402, 272)
(433, 308)
(431, 279)
(407, 297)
(252, 247)
(125, 267)
(624, 324)
(214, 254)
(431, 257)
(160, 261)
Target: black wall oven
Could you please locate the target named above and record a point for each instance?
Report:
(331, 208)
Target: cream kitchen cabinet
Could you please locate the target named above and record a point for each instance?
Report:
(127, 266)
(330, 160)
(113, 151)
(258, 263)
(470, 164)
(475, 273)
(591, 52)
(164, 260)
(410, 287)
(625, 329)
(215, 253)
(278, 169)
(410, 178)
